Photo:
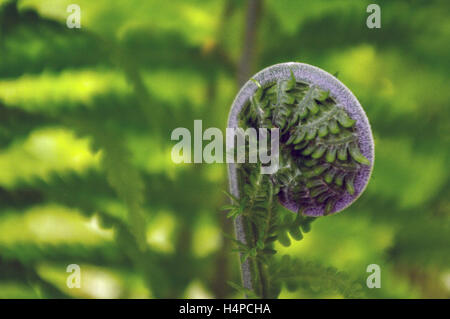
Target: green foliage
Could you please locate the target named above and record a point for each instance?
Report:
(314, 129)
(120, 173)
(118, 86)
(246, 292)
(294, 273)
(321, 157)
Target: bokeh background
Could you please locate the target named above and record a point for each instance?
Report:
(86, 114)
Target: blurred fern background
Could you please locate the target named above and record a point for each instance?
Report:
(86, 114)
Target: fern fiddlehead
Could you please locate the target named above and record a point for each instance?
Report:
(326, 158)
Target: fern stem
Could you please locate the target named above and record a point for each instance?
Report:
(243, 232)
(322, 144)
(241, 235)
(254, 275)
(264, 280)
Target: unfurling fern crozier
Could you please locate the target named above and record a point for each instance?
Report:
(326, 146)
(326, 154)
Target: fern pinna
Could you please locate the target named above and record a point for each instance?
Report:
(319, 163)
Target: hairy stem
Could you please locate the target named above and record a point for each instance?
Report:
(243, 232)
